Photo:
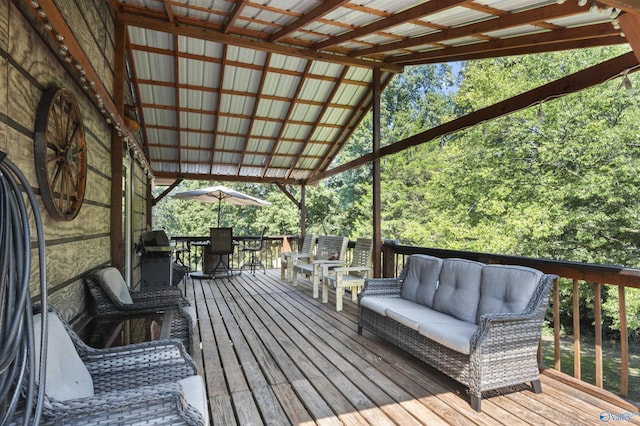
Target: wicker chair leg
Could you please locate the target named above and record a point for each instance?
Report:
(537, 387)
(360, 330)
(475, 402)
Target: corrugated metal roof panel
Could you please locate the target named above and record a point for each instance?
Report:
(283, 85)
(304, 112)
(265, 128)
(514, 31)
(296, 132)
(150, 38)
(203, 122)
(197, 99)
(160, 117)
(272, 109)
(457, 16)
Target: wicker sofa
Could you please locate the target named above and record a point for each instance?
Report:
(479, 324)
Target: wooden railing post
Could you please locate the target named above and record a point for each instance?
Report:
(576, 329)
(597, 293)
(624, 346)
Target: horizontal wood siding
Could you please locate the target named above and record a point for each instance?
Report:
(27, 68)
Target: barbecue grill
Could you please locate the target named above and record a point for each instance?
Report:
(157, 259)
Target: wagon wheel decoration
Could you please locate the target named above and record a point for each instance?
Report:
(60, 154)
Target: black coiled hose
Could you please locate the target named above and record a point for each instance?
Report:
(21, 398)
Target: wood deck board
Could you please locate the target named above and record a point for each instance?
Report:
(272, 354)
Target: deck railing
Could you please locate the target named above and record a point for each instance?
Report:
(578, 275)
(190, 251)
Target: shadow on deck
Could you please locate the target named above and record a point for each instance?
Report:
(271, 354)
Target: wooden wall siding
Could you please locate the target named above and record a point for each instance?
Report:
(88, 23)
(4, 64)
(27, 68)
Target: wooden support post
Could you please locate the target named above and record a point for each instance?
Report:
(576, 329)
(377, 199)
(117, 145)
(597, 297)
(624, 343)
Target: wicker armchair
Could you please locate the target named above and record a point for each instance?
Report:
(148, 383)
(349, 277)
(330, 250)
(114, 301)
(112, 297)
(288, 258)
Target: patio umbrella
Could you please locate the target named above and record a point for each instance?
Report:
(213, 194)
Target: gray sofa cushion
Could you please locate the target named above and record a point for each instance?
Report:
(380, 305)
(442, 328)
(506, 288)
(448, 331)
(459, 289)
(421, 281)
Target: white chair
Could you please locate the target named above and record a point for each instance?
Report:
(288, 258)
(331, 250)
(349, 277)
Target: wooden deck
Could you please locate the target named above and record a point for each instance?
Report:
(271, 354)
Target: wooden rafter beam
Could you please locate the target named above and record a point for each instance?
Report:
(226, 39)
(313, 128)
(575, 82)
(166, 192)
(532, 41)
(217, 104)
(630, 24)
(528, 17)
(226, 178)
(526, 50)
(399, 18)
(287, 117)
(631, 6)
(254, 113)
(311, 16)
(353, 123)
(237, 10)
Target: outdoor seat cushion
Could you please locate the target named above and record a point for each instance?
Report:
(196, 395)
(379, 305)
(421, 282)
(506, 288)
(67, 377)
(437, 326)
(459, 289)
(113, 279)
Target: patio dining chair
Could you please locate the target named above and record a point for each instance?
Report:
(288, 258)
(349, 277)
(254, 248)
(148, 383)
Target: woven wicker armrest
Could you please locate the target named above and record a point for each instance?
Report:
(161, 404)
(167, 353)
(382, 287)
(164, 297)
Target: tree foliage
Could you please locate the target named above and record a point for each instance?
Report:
(559, 179)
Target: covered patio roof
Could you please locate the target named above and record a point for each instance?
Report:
(270, 91)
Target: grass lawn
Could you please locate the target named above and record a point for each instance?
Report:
(611, 362)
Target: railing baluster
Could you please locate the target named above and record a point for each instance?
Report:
(557, 364)
(624, 347)
(576, 330)
(597, 292)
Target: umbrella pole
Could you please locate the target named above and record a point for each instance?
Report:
(219, 205)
